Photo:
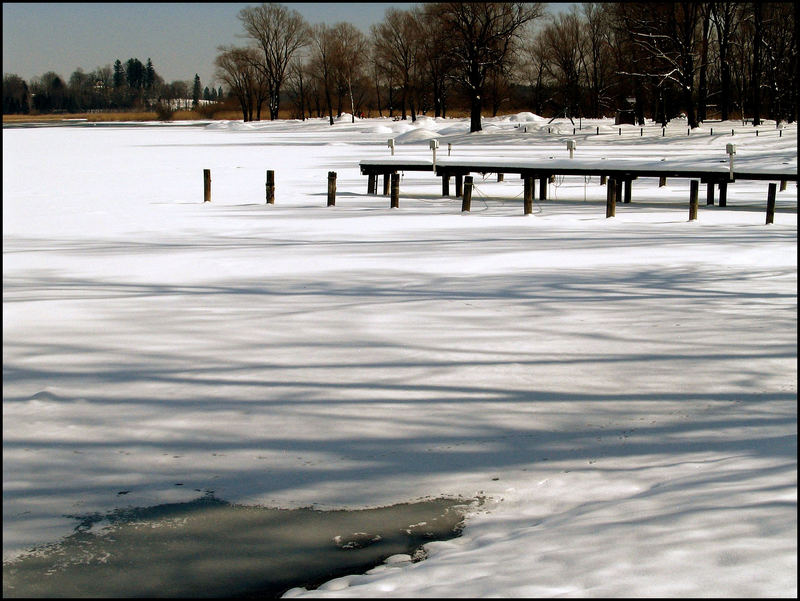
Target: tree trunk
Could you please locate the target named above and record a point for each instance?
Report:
(757, 35)
(475, 112)
(702, 86)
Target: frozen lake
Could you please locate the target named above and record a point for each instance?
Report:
(622, 392)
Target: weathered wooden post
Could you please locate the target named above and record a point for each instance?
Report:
(527, 194)
(372, 183)
(467, 200)
(445, 184)
(459, 185)
(602, 180)
(723, 194)
(331, 188)
(771, 204)
(694, 187)
(709, 193)
(543, 188)
(618, 191)
(395, 201)
(628, 186)
(386, 177)
(611, 198)
(500, 177)
(206, 185)
(270, 187)
(783, 185)
(662, 181)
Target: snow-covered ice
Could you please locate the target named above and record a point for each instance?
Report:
(622, 391)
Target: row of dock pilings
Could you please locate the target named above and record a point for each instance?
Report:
(464, 186)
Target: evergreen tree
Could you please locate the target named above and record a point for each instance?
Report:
(220, 97)
(196, 91)
(206, 94)
(149, 74)
(134, 72)
(119, 74)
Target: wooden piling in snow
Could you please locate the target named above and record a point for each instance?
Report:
(527, 194)
(331, 188)
(694, 187)
(206, 185)
(395, 200)
(611, 198)
(270, 187)
(467, 200)
(771, 204)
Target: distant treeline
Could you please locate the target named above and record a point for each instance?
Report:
(635, 60)
(131, 85)
(632, 60)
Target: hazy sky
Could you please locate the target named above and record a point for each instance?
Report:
(180, 38)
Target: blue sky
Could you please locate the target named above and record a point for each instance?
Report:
(180, 38)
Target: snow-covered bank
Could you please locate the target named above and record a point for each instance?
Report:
(624, 390)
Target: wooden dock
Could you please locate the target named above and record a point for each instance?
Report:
(620, 173)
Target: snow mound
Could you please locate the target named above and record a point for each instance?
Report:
(526, 117)
(378, 129)
(344, 117)
(401, 127)
(416, 135)
(459, 128)
(426, 122)
(218, 125)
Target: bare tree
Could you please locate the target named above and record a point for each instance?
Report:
(597, 55)
(396, 43)
(434, 54)
(323, 58)
(565, 40)
(236, 68)
(297, 85)
(484, 35)
(725, 17)
(279, 33)
(350, 50)
(667, 32)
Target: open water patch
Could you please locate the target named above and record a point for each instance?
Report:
(211, 548)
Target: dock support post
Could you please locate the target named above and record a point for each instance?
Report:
(459, 185)
(611, 198)
(783, 185)
(206, 185)
(270, 187)
(723, 194)
(771, 203)
(662, 181)
(467, 200)
(603, 180)
(499, 177)
(628, 186)
(386, 177)
(331, 188)
(543, 188)
(445, 184)
(527, 194)
(372, 184)
(694, 187)
(710, 193)
(395, 201)
(618, 191)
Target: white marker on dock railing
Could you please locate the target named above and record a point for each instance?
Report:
(731, 150)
